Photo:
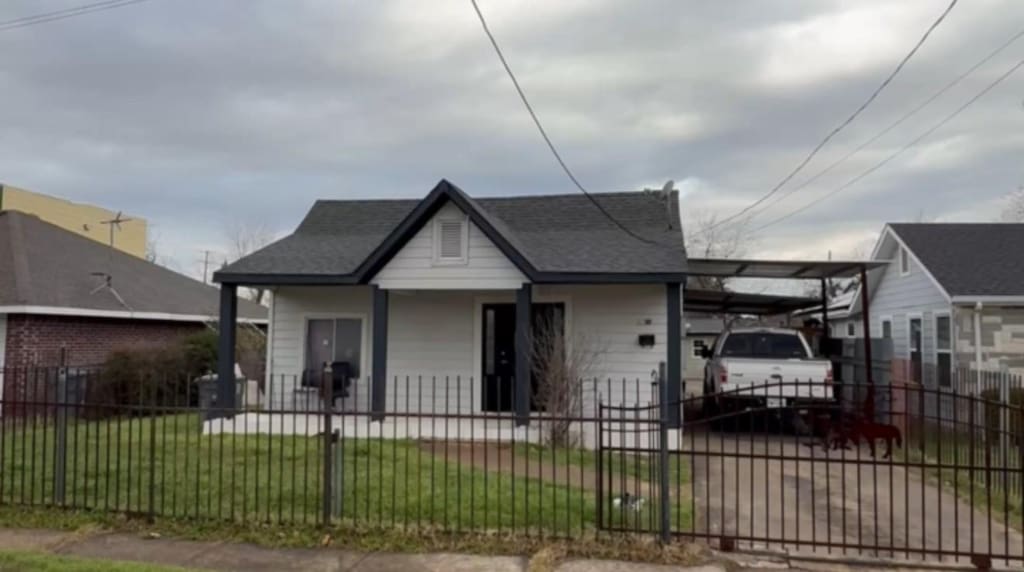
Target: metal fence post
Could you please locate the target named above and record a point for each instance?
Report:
(1004, 414)
(152, 448)
(665, 520)
(601, 496)
(327, 391)
(60, 460)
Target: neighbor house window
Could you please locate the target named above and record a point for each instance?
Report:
(904, 261)
(944, 350)
(451, 240)
(887, 329)
(851, 330)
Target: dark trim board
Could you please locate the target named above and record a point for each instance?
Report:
(285, 279)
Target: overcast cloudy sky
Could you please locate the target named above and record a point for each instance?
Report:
(199, 113)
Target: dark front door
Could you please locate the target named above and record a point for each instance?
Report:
(499, 356)
(499, 351)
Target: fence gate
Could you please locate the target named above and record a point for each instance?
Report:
(889, 471)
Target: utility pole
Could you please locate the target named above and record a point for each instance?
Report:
(206, 264)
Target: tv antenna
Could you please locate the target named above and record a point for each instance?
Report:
(115, 224)
(106, 283)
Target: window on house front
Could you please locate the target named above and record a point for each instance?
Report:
(887, 329)
(944, 350)
(851, 330)
(451, 241)
(904, 261)
(334, 342)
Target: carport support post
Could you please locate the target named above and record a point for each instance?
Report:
(826, 331)
(521, 389)
(379, 388)
(226, 350)
(867, 332)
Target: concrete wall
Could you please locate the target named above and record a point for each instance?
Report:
(1002, 338)
(79, 218)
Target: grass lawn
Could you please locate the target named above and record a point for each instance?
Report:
(278, 479)
(31, 562)
(992, 490)
(636, 474)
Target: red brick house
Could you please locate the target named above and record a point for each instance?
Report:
(66, 298)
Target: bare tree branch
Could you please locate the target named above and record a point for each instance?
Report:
(559, 366)
(1013, 211)
(243, 239)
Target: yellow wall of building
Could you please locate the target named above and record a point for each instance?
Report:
(78, 218)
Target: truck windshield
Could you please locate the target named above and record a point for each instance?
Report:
(763, 345)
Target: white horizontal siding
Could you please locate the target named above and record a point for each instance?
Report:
(434, 339)
(414, 267)
(291, 307)
(902, 297)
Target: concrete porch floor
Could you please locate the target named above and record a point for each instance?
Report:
(629, 434)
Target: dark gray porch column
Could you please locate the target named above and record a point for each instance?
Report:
(521, 390)
(379, 391)
(226, 349)
(674, 341)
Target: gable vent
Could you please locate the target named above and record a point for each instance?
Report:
(451, 241)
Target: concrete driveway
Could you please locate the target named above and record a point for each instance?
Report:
(822, 499)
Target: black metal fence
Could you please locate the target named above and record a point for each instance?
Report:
(880, 474)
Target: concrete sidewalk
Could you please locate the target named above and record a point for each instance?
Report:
(253, 558)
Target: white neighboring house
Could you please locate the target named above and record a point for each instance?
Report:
(423, 300)
(951, 297)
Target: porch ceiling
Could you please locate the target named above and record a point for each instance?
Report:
(786, 269)
(742, 303)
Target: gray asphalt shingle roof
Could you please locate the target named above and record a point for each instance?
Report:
(969, 259)
(553, 233)
(44, 265)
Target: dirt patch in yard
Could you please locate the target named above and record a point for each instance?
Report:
(561, 470)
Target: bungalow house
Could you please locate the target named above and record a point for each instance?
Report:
(66, 299)
(952, 296)
(432, 303)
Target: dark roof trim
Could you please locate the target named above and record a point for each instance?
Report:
(284, 279)
(608, 278)
(421, 215)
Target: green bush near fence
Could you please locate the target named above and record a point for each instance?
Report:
(1015, 421)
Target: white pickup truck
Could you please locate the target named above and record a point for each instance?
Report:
(763, 367)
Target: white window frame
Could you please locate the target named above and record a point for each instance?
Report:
(938, 350)
(881, 327)
(462, 260)
(904, 261)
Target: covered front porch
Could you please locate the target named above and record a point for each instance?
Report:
(454, 352)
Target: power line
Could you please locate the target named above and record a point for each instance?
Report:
(956, 81)
(845, 122)
(900, 151)
(544, 134)
(64, 13)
